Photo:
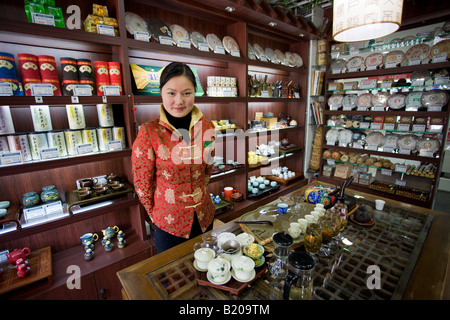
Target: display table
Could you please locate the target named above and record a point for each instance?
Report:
(409, 244)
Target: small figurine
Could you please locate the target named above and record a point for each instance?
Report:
(104, 241)
(120, 235)
(217, 199)
(23, 270)
(108, 246)
(89, 255)
(88, 245)
(121, 243)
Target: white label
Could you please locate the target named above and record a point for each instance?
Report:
(386, 172)
(364, 125)
(371, 67)
(50, 153)
(389, 126)
(426, 153)
(114, 145)
(82, 90)
(403, 127)
(418, 82)
(165, 40)
(388, 149)
(334, 55)
(400, 168)
(347, 108)
(105, 30)
(235, 53)
(111, 90)
(441, 80)
(6, 89)
(418, 127)
(357, 145)
(440, 58)
(378, 108)
(353, 69)
(41, 89)
(331, 162)
(53, 207)
(372, 147)
(84, 148)
(434, 108)
(219, 50)
(336, 70)
(332, 87)
(35, 212)
(354, 52)
(414, 62)
(348, 86)
(390, 65)
(41, 18)
(264, 93)
(401, 183)
(361, 108)
(203, 47)
(404, 151)
(141, 36)
(386, 84)
(10, 158)
(331, 142)
(184, 44)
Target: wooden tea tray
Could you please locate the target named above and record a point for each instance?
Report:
(284, 181)
(233, 286)
(40, 263)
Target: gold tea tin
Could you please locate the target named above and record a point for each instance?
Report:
(105, 115)
(89, 135)
(104, 135)
(119, 134)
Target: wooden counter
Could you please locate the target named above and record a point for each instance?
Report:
(428, 277)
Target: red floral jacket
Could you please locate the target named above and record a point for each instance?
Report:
(171, 177)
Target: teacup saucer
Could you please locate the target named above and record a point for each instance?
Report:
(227, 278)
(252, 275)
(260, 262)
(198, 268)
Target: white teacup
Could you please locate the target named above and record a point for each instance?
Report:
(315, 214)
(219, 269)
(303, 224)
(294, 232)
(243, 267)
(224, 237)
(320, 210)
(203, 256)
(245, 239)
(320, 205)
(310, 219)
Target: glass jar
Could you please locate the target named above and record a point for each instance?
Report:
(313, 239)
(278, 262)
(299, 282)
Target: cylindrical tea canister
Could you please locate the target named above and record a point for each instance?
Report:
(119, 135)
(19, 142)
(37, 141)
(101, 76)
(6, 122)
(105, 115)
(75, 115)
(73, 138)
(56, 139)
(4, 147)
(89, 135)
(104, 135)
(85, 70)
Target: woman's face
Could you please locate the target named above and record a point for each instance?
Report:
(178, 95)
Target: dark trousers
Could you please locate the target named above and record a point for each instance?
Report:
(164, 240)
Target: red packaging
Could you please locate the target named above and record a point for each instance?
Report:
(100, 87)
(55, 85)
(115, 76)
(47, 67)
(119, 84)
(29, 67)
(101, 72)
(27, 85)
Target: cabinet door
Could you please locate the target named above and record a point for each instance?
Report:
(108, 284)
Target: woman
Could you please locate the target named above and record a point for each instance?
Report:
(172, 162)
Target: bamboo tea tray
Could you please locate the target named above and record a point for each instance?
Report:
(40, 263)
(73, 199)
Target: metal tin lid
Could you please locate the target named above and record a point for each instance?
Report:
(301, 261)
(283, 239)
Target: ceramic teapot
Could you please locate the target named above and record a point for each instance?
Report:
(17, 254)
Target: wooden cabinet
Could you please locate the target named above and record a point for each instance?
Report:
(404, 169)
(248, 24)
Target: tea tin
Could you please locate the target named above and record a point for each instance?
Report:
(56, 140)
(37, 141)
(73, 138)
(119, 134)
(105, 115)
(19, 142)
(104, 135)
(75, 115)
(89, 135)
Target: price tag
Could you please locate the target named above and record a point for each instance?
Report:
(348, 86)
(203, 47)
(414, 62)
(440, 58)
(386, 84)
(378, 108)
(353, 69)
(332, 87)
(11, 158)
(401, 183)
(49, 153)
(264, 93)
(114, 145)
(141, 36)
(361, 108)
(6, 89)
(354, 52)
(34, 212)
(388, 149)
(347, 108)
(364, 125)
(53, 208)
(386, 172)
(165, 40)
(418, 82)
(389, 126)
(331, 162)
(390, 65)
(441, 80)
(404, 151)
(334, 55)
(434, 108)
(418, 127)
(220, 50)
(111, 90)
(336, 70)
(41, 89)
(357, 145)
(426, 153)
(235, 53)
(371, 67)
(105, 30)
(403, 127)
(184, 44)
(82, 90)
(400, 168)
(41, 18)
(372, 147)
(227, 92)
(84, 148)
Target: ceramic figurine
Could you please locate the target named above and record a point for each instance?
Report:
(49, 194)
(23, 270)
(121, 243)
(89, 255)
(104, 241)
(108, 246)
(30, 199)
(88, 245)
(110, 232)
(120, 235)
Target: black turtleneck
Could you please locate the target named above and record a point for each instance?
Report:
(180, 123)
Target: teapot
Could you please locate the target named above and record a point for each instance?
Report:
(17, 254)
(299, 281)
(110, 232)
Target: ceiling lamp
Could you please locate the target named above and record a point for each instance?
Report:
(358, 20)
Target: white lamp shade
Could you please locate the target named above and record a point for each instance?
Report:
(359, 20)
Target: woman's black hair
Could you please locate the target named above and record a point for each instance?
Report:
(175, 69)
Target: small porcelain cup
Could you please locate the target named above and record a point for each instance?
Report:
(320, 205)
(310, 219)
(203, 256)
(282, 208)
(315, 214)
(379, 204)
(303, 224)
(219, 269)
(224, 237)
(294, 232)
(242, 267)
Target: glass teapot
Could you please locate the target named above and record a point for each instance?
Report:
(299, 282)
(282, 247)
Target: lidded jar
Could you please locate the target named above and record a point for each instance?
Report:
(282, 247)
(299, 282)
(49, 194)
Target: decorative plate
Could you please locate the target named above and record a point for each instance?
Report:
(134, 23)
(420, 51)
(335, 100)
(196, 38)
(290, 58)
(349, 100)
(440, 48)
(158, 28)
(213, 41)
(258, 50)
(396, 40)
(374, 138)
(427, 143)
(270, 54)
(179, 33)
(390, 140)
(355, 62)
(420, 74)
(408, 141)
(338, 64)
(364, 100)
(251, 52)
(380, 99)
(434, 98)
(374, 59)
(394, 56)
(396, 101)
(298, 60)
(332, 135)
(230, 44)
(280, 56)
(345, 136)
(413, 99)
